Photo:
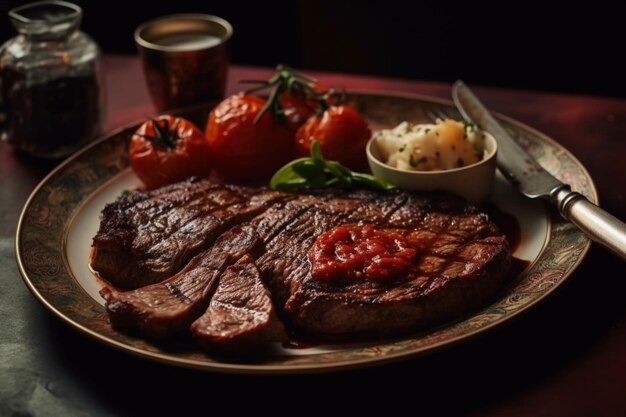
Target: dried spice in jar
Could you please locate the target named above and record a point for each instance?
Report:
(51, 95)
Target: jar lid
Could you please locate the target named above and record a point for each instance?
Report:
(49, 19)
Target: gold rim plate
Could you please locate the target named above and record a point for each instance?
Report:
(42, 244)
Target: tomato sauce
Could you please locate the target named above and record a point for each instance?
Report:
(361, 252)
(351, 253)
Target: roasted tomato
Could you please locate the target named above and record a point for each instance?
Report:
(298, 105)
(342, 133)
(168, 149)
(242, 148)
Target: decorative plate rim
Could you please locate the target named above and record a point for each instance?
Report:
(217, 366)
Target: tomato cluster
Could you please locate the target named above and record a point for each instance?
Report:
(247, 138)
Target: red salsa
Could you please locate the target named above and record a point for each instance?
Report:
(360, 252)
(352, 253)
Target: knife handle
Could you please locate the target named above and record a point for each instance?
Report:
(596, 223)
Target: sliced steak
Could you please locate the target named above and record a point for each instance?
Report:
(162, 309)
(240, 319)
(460, 260)
(147, 237)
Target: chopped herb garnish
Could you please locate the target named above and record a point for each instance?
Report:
(402, 148)
(426, 131)
(417, 163)
(469, 126)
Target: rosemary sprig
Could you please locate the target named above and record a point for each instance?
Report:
(289, 80)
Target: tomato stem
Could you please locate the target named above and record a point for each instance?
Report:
(165, 136)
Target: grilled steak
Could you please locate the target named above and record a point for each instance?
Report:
(447, 287)
(460, 260)
(145, 237)
(241, 315)
(162, 309)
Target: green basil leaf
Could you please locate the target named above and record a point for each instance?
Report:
(316, 172)
(287, 173)
(330, 182)
(342, 168)
(316, 153)
(308, 169)
(288, 186)
(319, 181)
(371, 181)
(335, 168)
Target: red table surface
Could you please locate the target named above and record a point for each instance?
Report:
(567, 356)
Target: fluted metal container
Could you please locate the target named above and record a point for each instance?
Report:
(185, 58)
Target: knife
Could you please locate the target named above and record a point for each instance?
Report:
(535, 182)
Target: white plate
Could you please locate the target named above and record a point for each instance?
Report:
(62, 215)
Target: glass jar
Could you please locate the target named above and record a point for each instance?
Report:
(51, 94)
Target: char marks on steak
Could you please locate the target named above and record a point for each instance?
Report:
(447, 287)
(162, 309)
(240, 316)
(462, 259)
(284, 263)
(146, 237)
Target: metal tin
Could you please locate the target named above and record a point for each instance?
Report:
(185, 58)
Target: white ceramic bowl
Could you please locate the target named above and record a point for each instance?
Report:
(473, 182)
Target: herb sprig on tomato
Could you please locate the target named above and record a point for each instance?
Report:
(250, 138)
(294, 96)
(319, 115)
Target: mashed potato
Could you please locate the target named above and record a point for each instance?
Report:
(447, 144)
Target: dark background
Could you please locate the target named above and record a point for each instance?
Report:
(516, 44)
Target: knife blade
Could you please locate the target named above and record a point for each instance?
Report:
(532, 180)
